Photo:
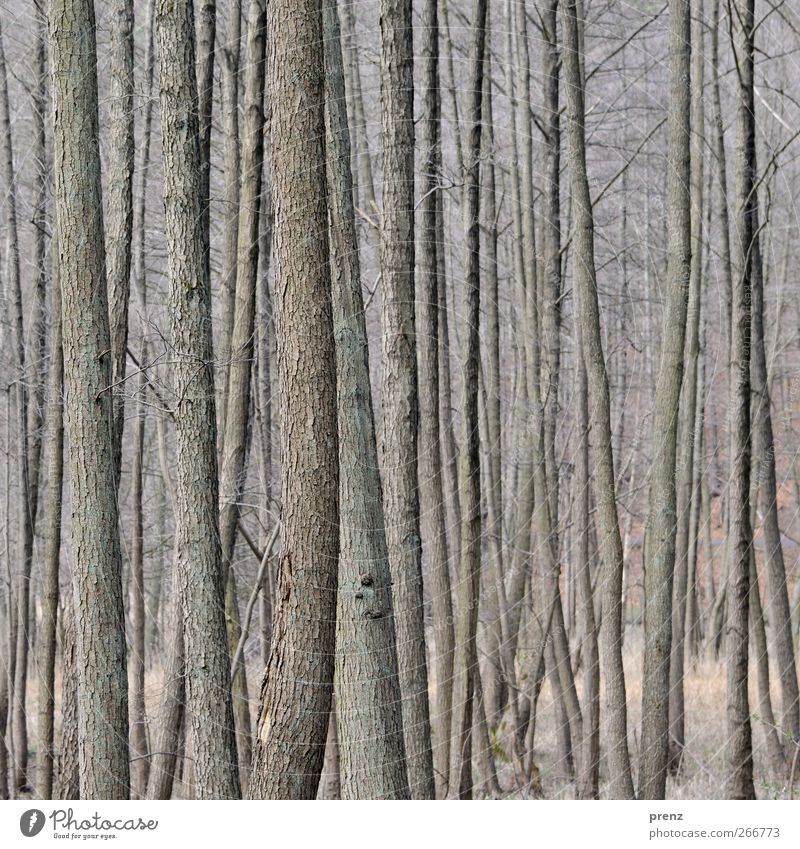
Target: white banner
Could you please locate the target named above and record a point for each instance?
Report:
(410, 825)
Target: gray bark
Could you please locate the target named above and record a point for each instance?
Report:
(399, 386)
(662, 513)
(368, 697)
(739, 750)
(600, 419)
(296, 693)
(209, 713)
(96, 560)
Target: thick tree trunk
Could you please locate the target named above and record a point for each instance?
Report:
(400, 394)
(96, 560)
(296, 693)
(209, 709)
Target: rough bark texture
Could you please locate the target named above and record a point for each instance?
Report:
(19, 625)
(466, 654)
(621, 786)
(52, 549)
(296, 693)
(589, 772)
(432, 499)
(171, 714)
(662, 517)
(399, 381)
(119, 204)
(229, 72)
(739, 755)
(368, 697)
(96, 561)
(687, 495)
(241, 340)
(68, 772)
(209, 708)
(140, 762)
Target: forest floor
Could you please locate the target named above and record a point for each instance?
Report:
(703, 768)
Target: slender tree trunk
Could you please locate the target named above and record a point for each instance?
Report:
(600, 419)
(434, 530)
(209, 709)
(68, 772)
(662, 517)
(52, 549)
(766, 485)
(686, 496)
(4, 794)
(119, 205)
(139, 748)
(367, 686)
(589, 774)
(96, 560)
(399, 381)
(739, 778)
(171, 712)
(21, 574)
(466, 655)
(205, 22)
(232, 157)
(241, 340)
(300, 668)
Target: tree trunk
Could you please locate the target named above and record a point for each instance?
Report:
(589, 773)
(209, 708)
(466, 655)
(52, 548)
(69, 770)
(399, 394)
(621, 786)
(140, 761)
(96, 560)
(766, 485)
(229, 69)
(296, 693)
(119, 204)
(661, 529)
(739, 778)
(686, 495)
(20, 580)
(367, 687)
(432, 499)
(241, 339)
(171, 713)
